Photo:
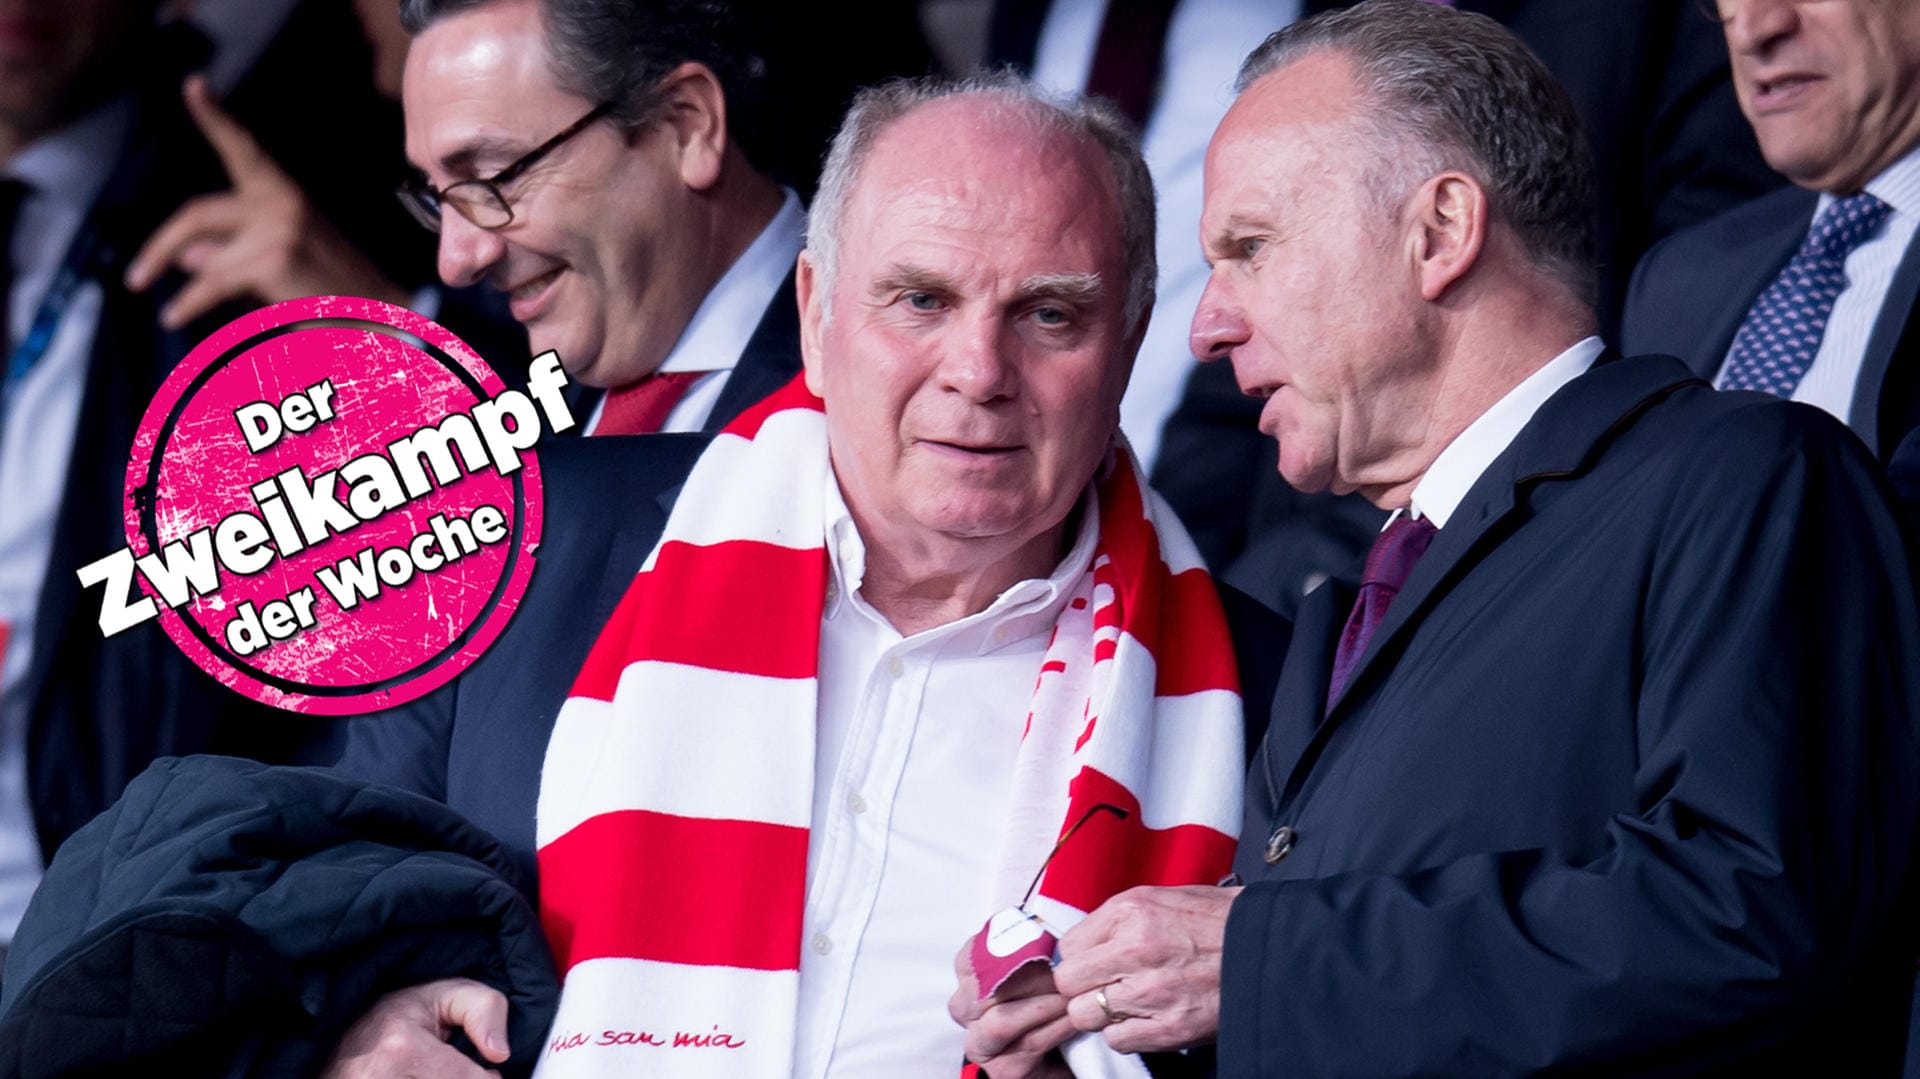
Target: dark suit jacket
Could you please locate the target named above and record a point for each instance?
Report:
(1649, 78)
(1691, 293)
(478, 743)
(1627, 781)
(771, 359)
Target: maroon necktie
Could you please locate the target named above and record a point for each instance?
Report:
(1127, 55)
(1389, 564)
(640, 409)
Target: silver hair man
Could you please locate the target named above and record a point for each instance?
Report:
(1513, 127)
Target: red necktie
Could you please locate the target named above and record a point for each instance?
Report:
(640, 409)
(1389, 564)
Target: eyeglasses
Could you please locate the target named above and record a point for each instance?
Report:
(480, 200)
(1029, 916)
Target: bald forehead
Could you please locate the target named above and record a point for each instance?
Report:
(975, 140)
(505, 38)
(1317, 89)
(478, 82)
(1299, 125)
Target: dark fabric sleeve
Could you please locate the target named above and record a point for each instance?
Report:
(1746, 900)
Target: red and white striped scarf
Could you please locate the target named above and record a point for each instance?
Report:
(678, 786)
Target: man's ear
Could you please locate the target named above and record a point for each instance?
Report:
(694, 110)
(1448, 230)
(813, 305)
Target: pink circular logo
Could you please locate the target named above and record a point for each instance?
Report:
(333, 505)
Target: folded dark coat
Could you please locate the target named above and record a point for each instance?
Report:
(226, 918)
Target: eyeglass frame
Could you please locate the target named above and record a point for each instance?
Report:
(427, 203)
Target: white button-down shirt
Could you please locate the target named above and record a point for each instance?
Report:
(912, 782)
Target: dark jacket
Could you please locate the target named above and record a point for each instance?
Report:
(1692, 292)
(226, 918)
(1625, 783)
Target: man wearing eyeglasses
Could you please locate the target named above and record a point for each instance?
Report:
(579, 156)
(1808, 293)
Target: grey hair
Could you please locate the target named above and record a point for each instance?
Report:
(1447, 89)
(619, 50)
(878, 106)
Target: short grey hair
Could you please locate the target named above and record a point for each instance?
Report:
(1448, 89)
(878, 106)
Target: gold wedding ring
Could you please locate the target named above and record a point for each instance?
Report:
(1100, 998)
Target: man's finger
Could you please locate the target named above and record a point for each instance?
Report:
(1019, 1026)
(209, 216)
(1028, 1056)
(1083, 1011)
(1136, 932)
(964, 1006)
(239, 153)
(198, 254)
(481, 1011)
(1091, 966)
(405, 1033)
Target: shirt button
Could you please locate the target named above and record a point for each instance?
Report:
(1280, 844)
(895, 667)
(822, 943)
(855, 803)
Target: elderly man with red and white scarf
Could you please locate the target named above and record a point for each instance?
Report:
(914, 647)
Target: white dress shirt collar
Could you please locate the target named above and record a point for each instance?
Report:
(1025, 608)
(1459, 466)
(725, 320)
